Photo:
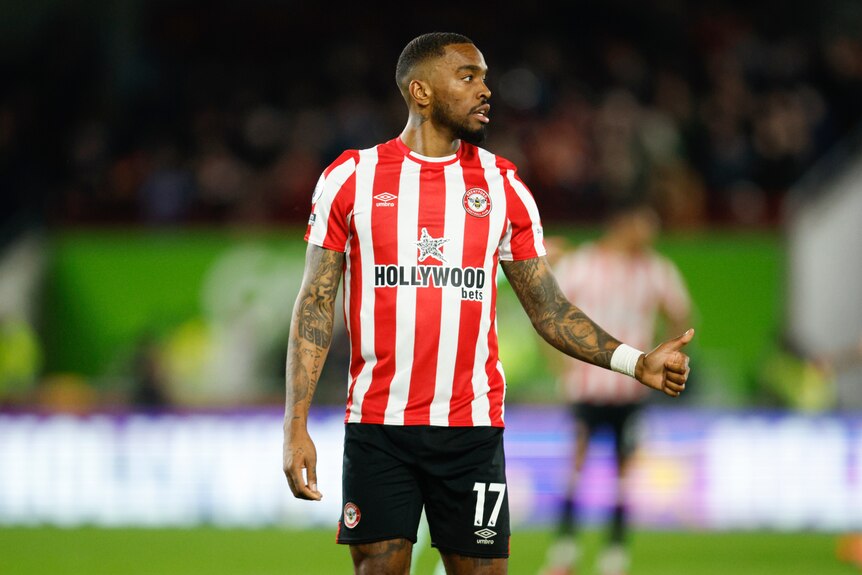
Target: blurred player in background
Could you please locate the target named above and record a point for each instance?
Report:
(416, 227)
(628, 288)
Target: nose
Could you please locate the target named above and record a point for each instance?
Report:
(484, 92)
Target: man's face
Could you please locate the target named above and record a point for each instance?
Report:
(644, 225)
(460, 95)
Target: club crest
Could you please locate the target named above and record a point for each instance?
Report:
(351, 515)
(477, 202)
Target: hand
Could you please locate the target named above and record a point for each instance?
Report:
(299, 454)
(666, 367)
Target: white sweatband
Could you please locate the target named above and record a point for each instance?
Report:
(625, 359)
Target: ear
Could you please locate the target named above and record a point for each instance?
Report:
(420, 92)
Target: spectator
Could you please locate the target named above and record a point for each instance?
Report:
(628, 287)
(726, 117)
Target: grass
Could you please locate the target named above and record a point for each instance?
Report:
(90, 551)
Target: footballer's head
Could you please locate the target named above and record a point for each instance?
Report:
(634, 220)
(441, 76)
(422, 49)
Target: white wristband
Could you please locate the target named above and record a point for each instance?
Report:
(625, 359)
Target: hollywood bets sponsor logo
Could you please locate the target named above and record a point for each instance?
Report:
(351, 515)
(470, 280)
(477, 202)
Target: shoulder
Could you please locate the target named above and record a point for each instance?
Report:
(337, 176)
(659, 260)
(344, 164)
(587, 250)
(506, 164)
(352, 157)
(581, 254)
(474, 151)
(664, 271)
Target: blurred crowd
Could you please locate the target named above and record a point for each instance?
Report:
(178, 113)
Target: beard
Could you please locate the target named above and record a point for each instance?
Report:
(442, 115)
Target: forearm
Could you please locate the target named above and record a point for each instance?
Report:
(572, 332)
(569, 330)
(306, 352)
(559, 322)
(310, 332)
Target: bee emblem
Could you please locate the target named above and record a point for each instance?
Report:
(477, 202)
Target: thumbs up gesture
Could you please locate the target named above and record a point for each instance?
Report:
(666, 367)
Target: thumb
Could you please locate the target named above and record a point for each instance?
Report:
(311, 474)
(681, 341)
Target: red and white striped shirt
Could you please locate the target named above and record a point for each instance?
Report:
(624, 295)
(422, 237)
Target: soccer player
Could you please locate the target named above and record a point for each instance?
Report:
(626, 286)
(416, 227)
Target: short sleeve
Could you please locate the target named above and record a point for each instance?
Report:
(332, 204)
(523, 238)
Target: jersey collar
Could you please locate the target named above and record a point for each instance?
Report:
(419, 158)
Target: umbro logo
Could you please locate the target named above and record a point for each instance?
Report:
(485, 535)
(385, 200)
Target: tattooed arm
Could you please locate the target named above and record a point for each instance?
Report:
(567, 328)
(558, 321)
(310, 336)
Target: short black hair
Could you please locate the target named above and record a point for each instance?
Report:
(431, 45)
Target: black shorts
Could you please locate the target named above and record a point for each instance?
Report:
(457, 473)
(620, 419)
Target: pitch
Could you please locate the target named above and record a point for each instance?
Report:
(38, 551)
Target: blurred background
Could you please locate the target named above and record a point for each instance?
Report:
(157, 160)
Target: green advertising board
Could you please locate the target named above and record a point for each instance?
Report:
(209, 294)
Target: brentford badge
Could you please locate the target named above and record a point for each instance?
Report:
(477, 202)
(351, 515)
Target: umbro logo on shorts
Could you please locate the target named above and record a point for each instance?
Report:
(485, 535)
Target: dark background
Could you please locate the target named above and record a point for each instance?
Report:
(183, 112)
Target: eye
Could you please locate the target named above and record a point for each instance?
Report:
(468, 78)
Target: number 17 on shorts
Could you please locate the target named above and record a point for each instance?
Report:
(489, 497)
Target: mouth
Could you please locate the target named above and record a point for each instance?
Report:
(481, 113)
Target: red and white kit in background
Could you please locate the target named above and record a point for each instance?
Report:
(422, 237)
(623, 294)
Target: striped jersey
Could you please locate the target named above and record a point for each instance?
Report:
(624, 294)
(422, 238)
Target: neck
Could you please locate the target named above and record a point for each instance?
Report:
(620, 244)
(423, 137)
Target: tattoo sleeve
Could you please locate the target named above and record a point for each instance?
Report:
(557, 320)
(311, 329)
